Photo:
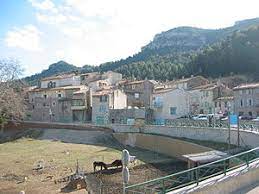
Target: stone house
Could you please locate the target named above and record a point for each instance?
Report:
(139, 93)
(246, 100)
(208, 93)
(52, 104)
(188, 83)
(170, 103)
(130, 115)
(224, 104)
(103, 101)
(71, 79)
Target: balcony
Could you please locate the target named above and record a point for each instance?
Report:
(158, 104)
(78, 104)
(74, 107)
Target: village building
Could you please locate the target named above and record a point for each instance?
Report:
(54, 104)
(188, 83)
(170, 103)
(246, 100)
(224, 104)
(202, 97)
(139, 93)
(70, 79)
(105, 100)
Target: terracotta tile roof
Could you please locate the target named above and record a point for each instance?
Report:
(102, 92)
(246, 86)
(59, 88)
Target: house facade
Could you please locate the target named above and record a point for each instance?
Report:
(224, 104)
(202, 97)
(139, 93)
(188, 83)
(103, 101)
(170, 103)
(52, 104)
(71, 79)
(246, 100)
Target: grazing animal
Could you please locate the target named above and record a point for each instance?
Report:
(100, 164)
(116, 163)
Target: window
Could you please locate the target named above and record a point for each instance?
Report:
(32, 100)
(102, 108)
(216, 104)
(250, 114)
(33, 107)
(44, 104)
(241, 113)
(45, 96)
(133, 87)
(78, 102)
(53, 103)
(250, 102)
(241, 103)
(226, 104)
(59, 95)
(220, 104)
(173, 110)
(136, 95)
(103, 98)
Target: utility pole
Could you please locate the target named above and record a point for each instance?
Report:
(238, 133)
(229, 142)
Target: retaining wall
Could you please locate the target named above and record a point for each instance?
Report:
(161, 144)
(247, 138)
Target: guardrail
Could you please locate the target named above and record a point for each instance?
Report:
(194, 175)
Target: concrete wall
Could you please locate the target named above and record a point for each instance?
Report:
(165, 145)
(248, 138)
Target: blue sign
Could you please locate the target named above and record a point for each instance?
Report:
(233, 120)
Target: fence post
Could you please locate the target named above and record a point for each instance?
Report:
(225, 171)
(163, 187)
(247, 159)
(197, 176)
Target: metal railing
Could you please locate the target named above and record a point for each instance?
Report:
(245, 125)
(194, 175)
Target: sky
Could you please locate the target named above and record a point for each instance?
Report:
(41, 32)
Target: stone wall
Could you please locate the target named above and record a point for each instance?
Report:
(247, 138)
(161, 144)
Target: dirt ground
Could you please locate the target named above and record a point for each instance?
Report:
(19, 157)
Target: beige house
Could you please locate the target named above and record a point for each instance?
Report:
(246, 100)
(224, 104)
(188, 83)
(170, 103)
(103, 101)
(202, 97)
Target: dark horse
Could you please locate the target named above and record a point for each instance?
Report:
(116, 163)
(100, 164)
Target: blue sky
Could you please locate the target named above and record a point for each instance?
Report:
(41, 32)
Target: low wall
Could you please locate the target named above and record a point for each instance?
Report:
(165, 145)
(52, 125)
(247, 138)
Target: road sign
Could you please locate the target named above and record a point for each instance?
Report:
(233, 120)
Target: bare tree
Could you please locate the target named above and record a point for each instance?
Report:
(12, 103)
